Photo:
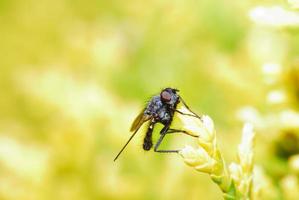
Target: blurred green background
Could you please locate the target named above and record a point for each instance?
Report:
(74, 74)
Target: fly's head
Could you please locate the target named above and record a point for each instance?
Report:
(169, 96)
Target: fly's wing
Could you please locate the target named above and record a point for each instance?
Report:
(139, 120)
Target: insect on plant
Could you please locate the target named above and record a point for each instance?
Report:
(159, 109)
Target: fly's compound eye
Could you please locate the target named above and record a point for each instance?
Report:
(165, 96)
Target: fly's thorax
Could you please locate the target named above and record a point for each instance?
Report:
(154, 105)
(162, 111)
(164, 115)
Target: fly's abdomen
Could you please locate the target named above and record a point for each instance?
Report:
(154, 105)
(164, 116)
(147, 142)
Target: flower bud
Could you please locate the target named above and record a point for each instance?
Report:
(235, 172)
(198, 158)
(204, 127)
(245, 150)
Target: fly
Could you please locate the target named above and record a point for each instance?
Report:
(160, 109)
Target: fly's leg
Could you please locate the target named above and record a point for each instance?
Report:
(187, 114)
(163, 151)
(171, 130)
(184, 103)
(163, 132)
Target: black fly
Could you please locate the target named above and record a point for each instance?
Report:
(160, 109)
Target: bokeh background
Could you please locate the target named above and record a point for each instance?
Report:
(74, 74)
